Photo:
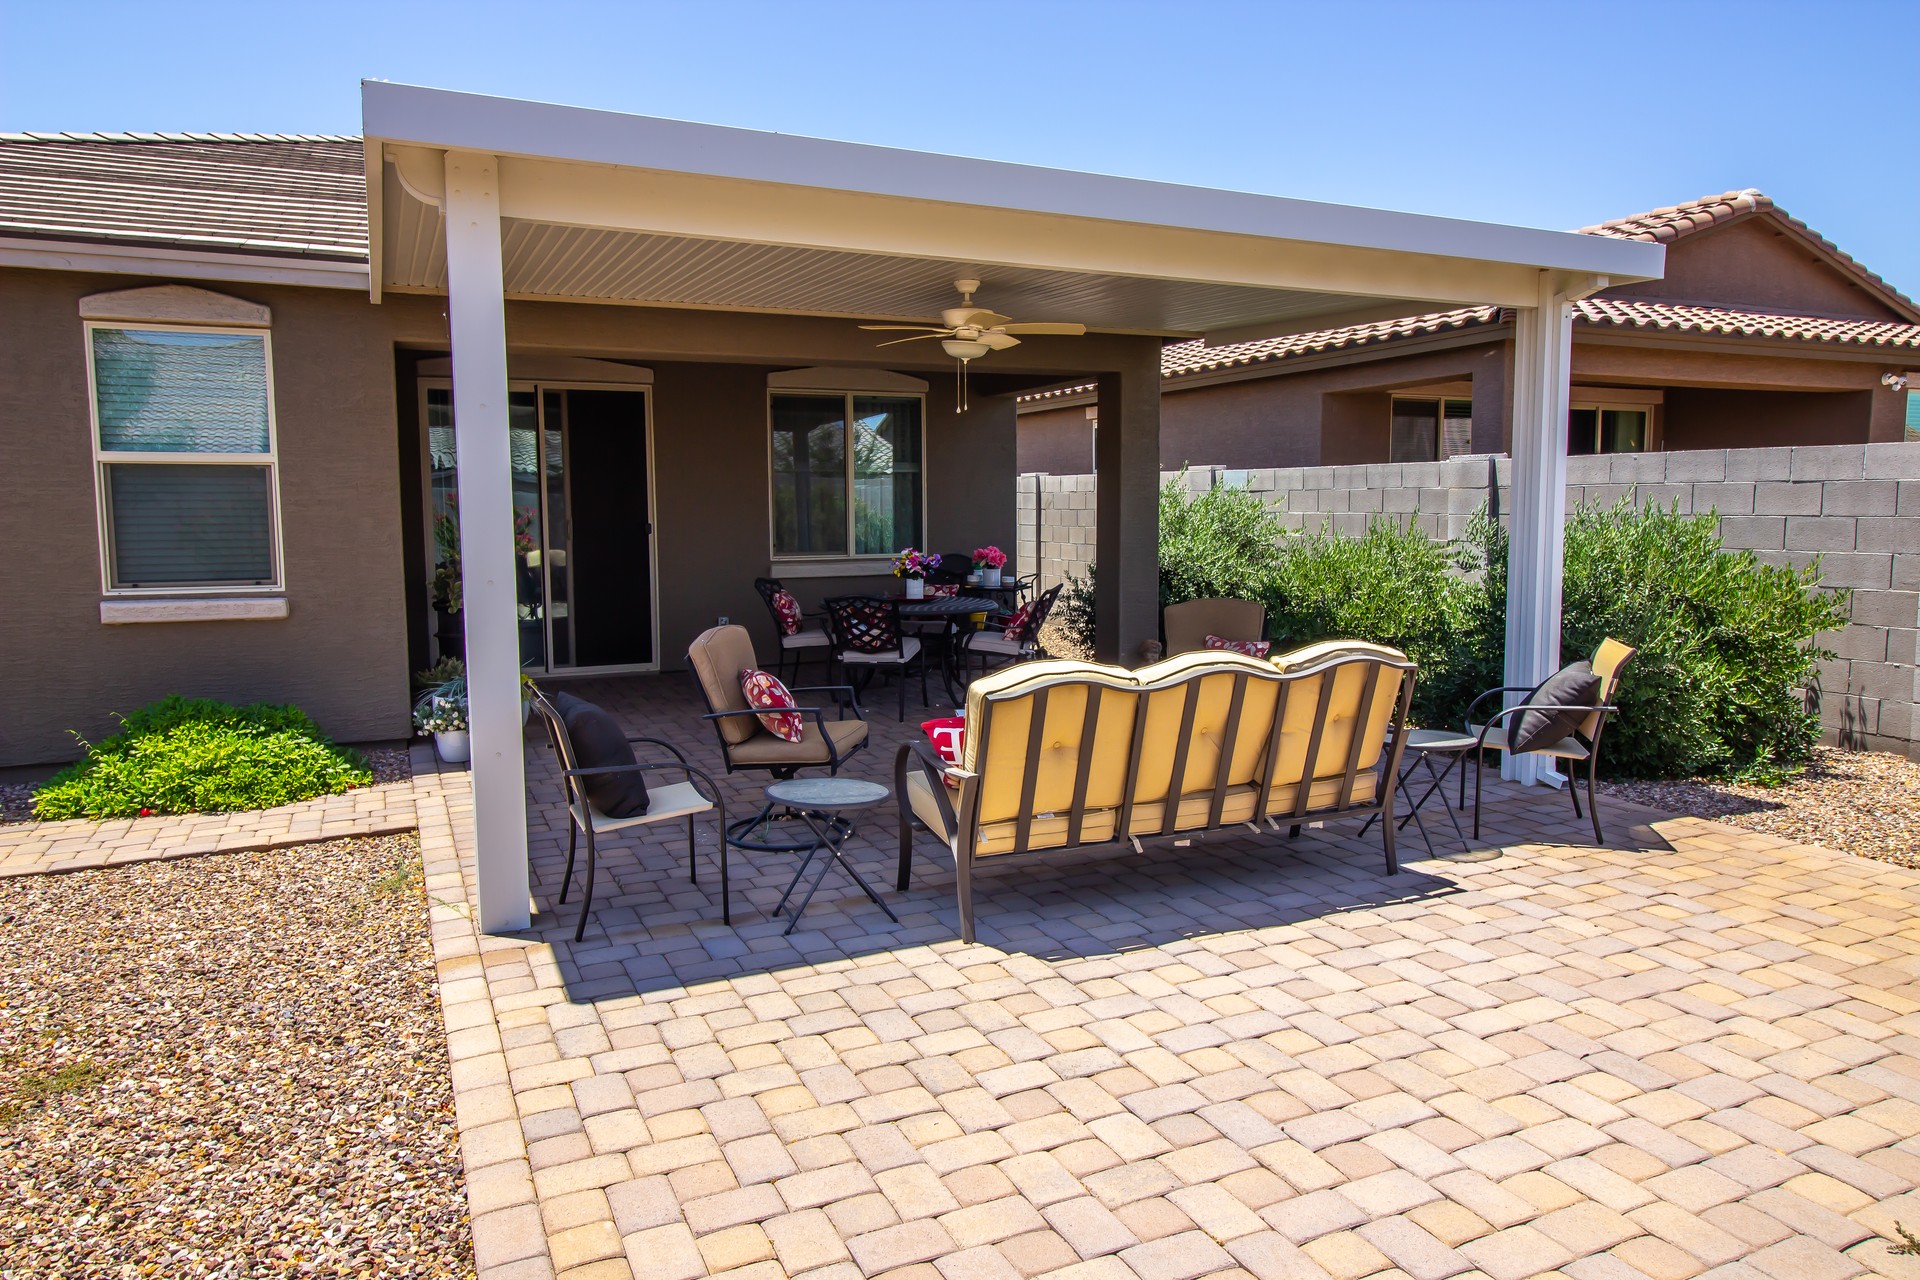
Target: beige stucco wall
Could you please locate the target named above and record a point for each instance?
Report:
(342, 651)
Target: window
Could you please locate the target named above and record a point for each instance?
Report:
(846, 473)
(1913, 417)
(1429, 428)
(1606, 428)
(184, 452)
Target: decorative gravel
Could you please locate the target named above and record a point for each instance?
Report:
(229, 1066)
(389, 764)
(1859, 802)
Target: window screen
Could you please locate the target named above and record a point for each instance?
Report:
(184, 445)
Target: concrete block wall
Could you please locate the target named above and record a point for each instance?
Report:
(1855, 507)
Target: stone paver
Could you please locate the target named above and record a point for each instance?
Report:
(1691, 1050)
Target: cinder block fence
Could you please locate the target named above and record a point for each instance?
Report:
(1857, 507)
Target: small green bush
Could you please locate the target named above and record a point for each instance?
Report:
(194, 755)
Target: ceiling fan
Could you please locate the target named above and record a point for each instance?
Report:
(967, 332)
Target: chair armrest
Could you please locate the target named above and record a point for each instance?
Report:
(843, 698)
(711, 794)
(922, 756)
(1491, 693)
(678, 754)
(1498, 716)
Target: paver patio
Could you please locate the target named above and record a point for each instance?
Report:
(1689, 1053)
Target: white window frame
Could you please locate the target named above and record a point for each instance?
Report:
(800, 563)
(102, 458)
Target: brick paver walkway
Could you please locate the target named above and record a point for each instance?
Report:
(1689, 1053)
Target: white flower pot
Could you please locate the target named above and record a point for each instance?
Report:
(453, 746)
(989, 577)
(916, 588)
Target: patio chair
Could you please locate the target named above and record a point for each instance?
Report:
(867, 637)
(578, 778)
(1581, 741)
(811, 635)
(1188, 624)
(717, 656)
(1015, 639)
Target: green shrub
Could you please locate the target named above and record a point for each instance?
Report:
(185, 755)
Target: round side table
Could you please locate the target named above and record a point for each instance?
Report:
(820, 803)
(1421, 746)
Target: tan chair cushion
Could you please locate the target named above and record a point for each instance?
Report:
(905, 653)
(806, 638)
(718, 655)
(762, 748)
(1189, 623)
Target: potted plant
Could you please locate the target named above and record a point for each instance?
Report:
(989, 560)
(442, 712)
(914, 566)
(527, 689)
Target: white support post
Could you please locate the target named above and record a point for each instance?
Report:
(476, 315)
(1542, 359)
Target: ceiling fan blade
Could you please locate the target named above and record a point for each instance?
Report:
(958, 317)
(1063, 329)
(998, 339)
(916, 328)
(918, 337)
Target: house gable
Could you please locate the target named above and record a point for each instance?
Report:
(1764, 262)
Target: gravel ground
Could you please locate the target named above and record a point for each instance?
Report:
(389, 764)
(1859, 802)
(228, 1066)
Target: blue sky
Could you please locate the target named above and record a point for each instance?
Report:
(1545, 114)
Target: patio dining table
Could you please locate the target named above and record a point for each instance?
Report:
(950, 610)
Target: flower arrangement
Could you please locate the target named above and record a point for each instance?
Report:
(989, 557)
(915, 564)
(444, 710)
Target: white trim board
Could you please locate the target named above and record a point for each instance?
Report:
(267, 608)
(192, 264)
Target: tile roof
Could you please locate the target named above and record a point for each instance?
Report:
(288, 195)
(1193, 358)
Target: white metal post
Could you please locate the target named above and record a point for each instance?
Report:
(476, 314)
(1542, 359)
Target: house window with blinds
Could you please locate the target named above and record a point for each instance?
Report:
(184, 452)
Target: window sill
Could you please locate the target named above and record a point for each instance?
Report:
(844, 567)
(244, 609)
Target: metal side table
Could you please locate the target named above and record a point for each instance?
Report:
(820, 802)
(1422, 746)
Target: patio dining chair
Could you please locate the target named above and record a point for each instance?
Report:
(1188, 624)
(868, 637)
(1015, 638)
(598, 767)
(808, 630)
(1564, 730)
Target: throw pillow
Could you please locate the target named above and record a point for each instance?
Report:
(948, 734)
(1569, 691)
(599, 742)
(1016, 628)
(942, 590)
(764, 692)
(1252, 648)
(787, 609)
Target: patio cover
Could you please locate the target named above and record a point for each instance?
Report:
(487, 198)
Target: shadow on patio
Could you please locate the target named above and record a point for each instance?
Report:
(653, 929)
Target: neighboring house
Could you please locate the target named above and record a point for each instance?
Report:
(1761, 333)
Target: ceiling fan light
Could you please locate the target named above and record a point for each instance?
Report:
(961, 349)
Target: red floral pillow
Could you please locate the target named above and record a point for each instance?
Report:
(787, 609)
(765, 693)
(942, 590)
(1017, 623)
(1252, 648)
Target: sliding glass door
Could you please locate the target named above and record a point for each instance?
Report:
(582, 524)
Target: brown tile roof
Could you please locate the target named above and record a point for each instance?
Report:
(1192, 358)
(288, 195)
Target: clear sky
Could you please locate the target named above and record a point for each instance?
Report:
(1544, 114)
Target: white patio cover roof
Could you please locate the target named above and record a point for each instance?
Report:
(606, 207)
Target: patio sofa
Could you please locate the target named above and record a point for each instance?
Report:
(1063, 755)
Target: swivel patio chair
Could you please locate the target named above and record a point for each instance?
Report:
(1189, 623)
(1584, 723)
(579, 776)
(809, 630)
(1016, 638)
(717, 656)
(868, 637)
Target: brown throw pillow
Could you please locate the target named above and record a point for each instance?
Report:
(1571, 690)
(599, 741)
